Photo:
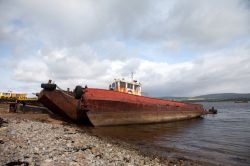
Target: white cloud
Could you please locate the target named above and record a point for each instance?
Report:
(63, 23)
(91, 42)
(221, 71)
(200, 23)
(71, 23)
(31, 70)
(216, 72)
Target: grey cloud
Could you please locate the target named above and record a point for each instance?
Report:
(58, 23)
(222, 71)
(202, 23)
(88, 42)
(72, 23)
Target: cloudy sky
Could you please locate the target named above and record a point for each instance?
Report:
(174, 48)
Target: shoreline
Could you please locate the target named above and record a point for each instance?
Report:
(39, 139)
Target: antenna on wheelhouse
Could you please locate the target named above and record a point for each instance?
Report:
(132, 76)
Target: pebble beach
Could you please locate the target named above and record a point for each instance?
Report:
(38, 139)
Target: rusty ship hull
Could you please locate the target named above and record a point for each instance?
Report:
(62, 103)
(101, 107)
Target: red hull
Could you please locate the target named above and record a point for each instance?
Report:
(106, 107)
(62, 103)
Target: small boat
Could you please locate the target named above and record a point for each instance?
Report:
(212, 111)
(121, 104)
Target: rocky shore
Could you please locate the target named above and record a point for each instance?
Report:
(28, 141)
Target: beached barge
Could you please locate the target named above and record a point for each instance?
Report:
(121, 104)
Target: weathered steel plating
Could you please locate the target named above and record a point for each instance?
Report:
(63, 103)
(107, 107)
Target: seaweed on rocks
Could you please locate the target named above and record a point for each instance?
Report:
(13, 163)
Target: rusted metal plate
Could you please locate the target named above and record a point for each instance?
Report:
(62, 103)
(106, 107)
(131, 117)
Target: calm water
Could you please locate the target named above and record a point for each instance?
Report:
(222, 139)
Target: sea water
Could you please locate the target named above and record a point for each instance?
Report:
(220, 139)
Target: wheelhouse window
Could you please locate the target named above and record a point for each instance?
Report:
(130, 86)
(137, 87)
(113, 85)
(122, 84)
(7, 94)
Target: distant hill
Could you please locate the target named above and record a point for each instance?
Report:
(175, 98)
(225, 96)
(214, 97)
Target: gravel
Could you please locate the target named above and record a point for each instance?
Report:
(27, 142)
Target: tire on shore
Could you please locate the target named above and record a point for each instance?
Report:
(48, 87)
(78, 92)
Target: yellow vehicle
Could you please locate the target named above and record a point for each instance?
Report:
(5, 95)
(13, 96)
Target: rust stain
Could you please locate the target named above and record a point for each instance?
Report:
(107, 107)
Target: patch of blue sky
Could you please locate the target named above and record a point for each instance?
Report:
(187, 55)
(32, 50)
(17, 23)
(239, 42)
(5, 82)
(9, 83)
(5, 50)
